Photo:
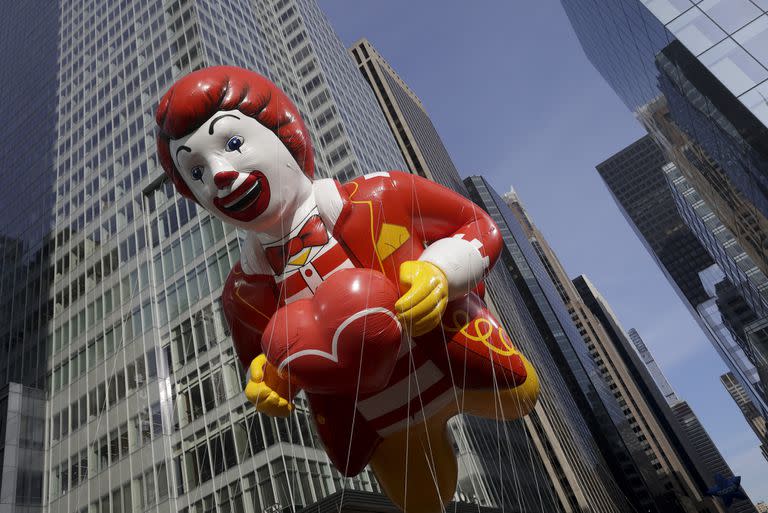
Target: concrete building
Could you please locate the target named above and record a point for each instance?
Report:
(411, 126)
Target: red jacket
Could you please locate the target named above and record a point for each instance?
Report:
(381, 220)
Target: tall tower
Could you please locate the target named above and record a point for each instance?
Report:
(577, 411)
(707, 60)
(638, 182)
(696, 75)
(28, 82)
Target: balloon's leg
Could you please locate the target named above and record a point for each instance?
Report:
(504, 403)
(417, 467)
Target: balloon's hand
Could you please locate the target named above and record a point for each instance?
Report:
(421, 307)
(265, 399)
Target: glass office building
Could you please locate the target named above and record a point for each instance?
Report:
(538, 321)
(694, 73)
(623, 37)
(144, 394)
(639, 187)
(665, 464)
(636, 179)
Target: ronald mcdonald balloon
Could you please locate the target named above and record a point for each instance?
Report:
(365, 295)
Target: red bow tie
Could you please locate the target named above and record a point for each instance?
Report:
(312, 234)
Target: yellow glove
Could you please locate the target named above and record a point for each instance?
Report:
(262, 395)
(421, 307)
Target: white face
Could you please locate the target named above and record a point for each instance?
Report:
(240, 171)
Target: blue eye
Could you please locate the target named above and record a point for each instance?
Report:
(197, 173)
(234, 143)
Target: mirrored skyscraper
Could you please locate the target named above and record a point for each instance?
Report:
(695, 75)
(577, 416)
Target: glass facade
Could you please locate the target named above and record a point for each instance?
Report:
(536, 318)
(637, 180)
(28, 81)
(695, 75)
(110, 281)
(639, 187)
(740, 269)
(622, 38)
(729, 37)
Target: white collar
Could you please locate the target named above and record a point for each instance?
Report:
(329, 206)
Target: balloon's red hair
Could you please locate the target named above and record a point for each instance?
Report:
(196, 97)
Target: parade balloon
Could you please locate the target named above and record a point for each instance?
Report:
(365, 296)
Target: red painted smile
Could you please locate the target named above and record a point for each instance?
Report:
(248, 201)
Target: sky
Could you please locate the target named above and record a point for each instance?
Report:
(515, 99)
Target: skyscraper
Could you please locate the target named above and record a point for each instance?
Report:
(145, 405)
(667, 464)
(491, 455)
(677, 453)
(28, 81)
(639, 187)
(712, 54)
(695, 75)
(579, 395)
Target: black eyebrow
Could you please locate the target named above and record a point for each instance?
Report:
(210, 127)
(185, 148)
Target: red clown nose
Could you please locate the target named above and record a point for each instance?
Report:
(344, 340)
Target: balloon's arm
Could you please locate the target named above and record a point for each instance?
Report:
(464, 242)
(270, 393)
